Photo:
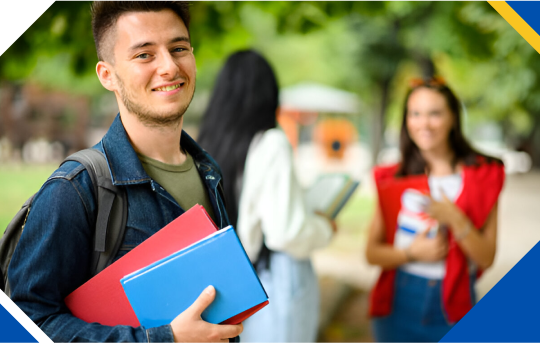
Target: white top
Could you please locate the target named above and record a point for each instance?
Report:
(272, 202)
(451, 185)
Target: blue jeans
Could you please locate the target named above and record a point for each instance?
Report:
(417, 314)
(293, 312)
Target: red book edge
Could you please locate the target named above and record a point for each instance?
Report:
(240, 317)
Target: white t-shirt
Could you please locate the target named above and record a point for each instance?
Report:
(451, 185)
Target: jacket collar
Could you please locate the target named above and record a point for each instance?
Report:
(124, 165)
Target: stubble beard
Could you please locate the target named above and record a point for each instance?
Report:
(146, 115)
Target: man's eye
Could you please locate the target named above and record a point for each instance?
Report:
(179, 49)
(143, 56)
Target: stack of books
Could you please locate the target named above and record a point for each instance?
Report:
(165, 274)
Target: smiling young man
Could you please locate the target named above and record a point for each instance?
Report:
(146, 59)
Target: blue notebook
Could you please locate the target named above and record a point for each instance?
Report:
(164, 289)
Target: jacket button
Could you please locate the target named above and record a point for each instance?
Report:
(210, 177)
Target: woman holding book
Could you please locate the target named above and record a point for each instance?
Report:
(435, 225)
(265, 201)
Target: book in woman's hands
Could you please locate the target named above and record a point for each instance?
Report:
(330, 193)
(162, 290)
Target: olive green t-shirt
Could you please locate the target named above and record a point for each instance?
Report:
(181, 181)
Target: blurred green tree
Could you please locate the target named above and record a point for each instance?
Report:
(370, 48)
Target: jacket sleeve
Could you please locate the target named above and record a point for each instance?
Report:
(272, 203)
(52, 259)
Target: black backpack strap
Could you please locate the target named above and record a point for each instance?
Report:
(111, 217)
(9, 242)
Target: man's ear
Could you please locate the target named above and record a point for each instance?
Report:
(106, 75)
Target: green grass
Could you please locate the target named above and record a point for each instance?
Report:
(353, 224)
(356, 213)
(17, 183)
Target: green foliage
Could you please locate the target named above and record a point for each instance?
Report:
(64, 28)
(370, 48)
(18, 183)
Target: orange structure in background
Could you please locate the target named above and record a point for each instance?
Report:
(289, 120)
(335, 135)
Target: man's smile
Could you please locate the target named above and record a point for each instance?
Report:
(168, 88)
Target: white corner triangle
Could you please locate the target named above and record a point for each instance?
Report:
(16, 17)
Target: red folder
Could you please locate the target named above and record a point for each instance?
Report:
(102, 298)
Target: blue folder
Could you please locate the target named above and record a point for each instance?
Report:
(164, 289)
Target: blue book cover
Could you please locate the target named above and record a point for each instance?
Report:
(164, 289)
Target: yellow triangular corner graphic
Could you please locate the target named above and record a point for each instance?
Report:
(517, 23)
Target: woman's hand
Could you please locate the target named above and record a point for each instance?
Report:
(444, 211)
(425, 249)
(330, 220)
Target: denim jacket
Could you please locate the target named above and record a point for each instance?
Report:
(53, 256)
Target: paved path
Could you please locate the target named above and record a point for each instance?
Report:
(519, 226)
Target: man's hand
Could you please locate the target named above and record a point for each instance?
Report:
(188, 326)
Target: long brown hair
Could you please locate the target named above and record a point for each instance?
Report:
(413, 163)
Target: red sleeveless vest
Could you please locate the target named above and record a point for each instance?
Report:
(481, 187)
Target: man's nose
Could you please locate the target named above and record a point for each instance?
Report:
(167, 65)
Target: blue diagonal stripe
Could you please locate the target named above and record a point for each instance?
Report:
(529, 11)
(11, 330)
(507, 313)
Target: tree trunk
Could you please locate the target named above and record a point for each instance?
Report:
(427, 66)
(379, 120)
(531, 143)
(534, 142)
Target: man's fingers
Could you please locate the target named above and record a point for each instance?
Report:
(227, 331)
(203, 301)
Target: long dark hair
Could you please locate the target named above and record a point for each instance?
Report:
(413, 163)
(244, 102)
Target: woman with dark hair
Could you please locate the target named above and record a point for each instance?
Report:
(265, 201)
(435, 226)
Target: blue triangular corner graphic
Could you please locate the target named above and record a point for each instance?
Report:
(11, 330)
(528, 11)
(16, 326)
(509, 312)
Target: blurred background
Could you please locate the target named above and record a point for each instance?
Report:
(343, 69)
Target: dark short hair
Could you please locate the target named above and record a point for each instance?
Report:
(412, 162)
(106, 13)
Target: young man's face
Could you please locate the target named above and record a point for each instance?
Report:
(154, 67)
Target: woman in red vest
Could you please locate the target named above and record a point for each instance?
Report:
(435, 227)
